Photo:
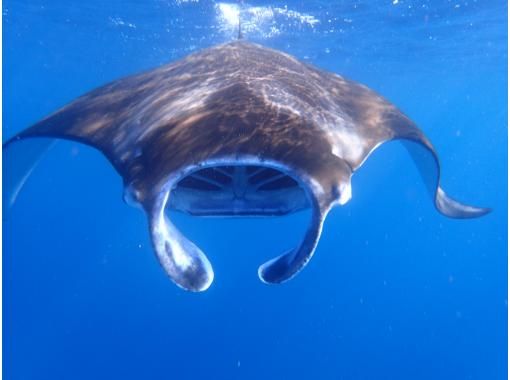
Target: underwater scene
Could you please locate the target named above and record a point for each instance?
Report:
(250, 189)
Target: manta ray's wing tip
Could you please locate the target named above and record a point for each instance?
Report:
(454, 209)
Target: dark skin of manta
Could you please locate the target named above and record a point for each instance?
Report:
(234, 130)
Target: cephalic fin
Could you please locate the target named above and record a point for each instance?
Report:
(287, 265)
(182, 260)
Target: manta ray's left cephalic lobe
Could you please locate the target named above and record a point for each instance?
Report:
(234, 130)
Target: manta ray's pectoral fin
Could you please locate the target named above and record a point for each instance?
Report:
(427, 162)
(287, 265)
(183, 261)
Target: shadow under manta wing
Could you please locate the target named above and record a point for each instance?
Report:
(427, 162)
(19, 158)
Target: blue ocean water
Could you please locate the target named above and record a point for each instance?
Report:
(394, 291)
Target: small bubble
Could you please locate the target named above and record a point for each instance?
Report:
(75, 151)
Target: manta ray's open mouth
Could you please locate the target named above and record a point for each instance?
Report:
(240, 186)
(238, 190)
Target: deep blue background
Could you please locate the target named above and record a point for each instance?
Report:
(395, 290)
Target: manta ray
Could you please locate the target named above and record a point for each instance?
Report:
(233, 130)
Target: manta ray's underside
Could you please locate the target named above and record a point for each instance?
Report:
(237, 129)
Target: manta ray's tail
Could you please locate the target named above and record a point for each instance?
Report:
(19, 158)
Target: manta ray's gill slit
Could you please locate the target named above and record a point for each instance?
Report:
(194, 182)
(260, 176)
(281, 182)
